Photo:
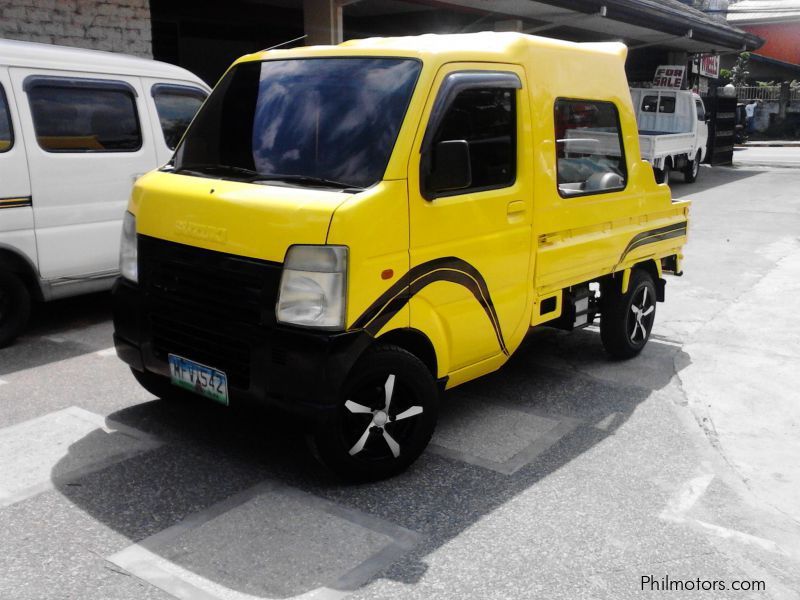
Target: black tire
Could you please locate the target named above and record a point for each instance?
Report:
(15, 307)
(692, 169)
(353, 441)
(622, 331)
(662, 175)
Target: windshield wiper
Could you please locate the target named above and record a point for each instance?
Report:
(310, 180)
(251, 176)
(240, 172)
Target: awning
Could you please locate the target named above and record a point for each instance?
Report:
(638, 23)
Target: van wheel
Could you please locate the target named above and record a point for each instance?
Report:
(384, 420)
(15, 307)
(627, 319)
(692, 169)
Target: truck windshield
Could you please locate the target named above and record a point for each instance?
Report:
(319, 121)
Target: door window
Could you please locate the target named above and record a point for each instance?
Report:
(84, 116)
(6, 131)
(589, 148)
(486, 119)
(701, 110)
(176, 106)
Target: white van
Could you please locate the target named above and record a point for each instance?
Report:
(77, 128)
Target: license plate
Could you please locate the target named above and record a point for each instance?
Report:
(198, 378)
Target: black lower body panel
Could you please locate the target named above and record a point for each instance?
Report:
(292, 369)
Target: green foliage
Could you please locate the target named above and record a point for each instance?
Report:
(739, 72)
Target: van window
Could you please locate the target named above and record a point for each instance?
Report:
(308, 121)
(486, 119)
(176, 106)
(72, 117)
(589, 148)
(6, 131)
(701, 110)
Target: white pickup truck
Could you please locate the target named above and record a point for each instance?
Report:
(673, 133)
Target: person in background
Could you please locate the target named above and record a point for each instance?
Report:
(750, 113)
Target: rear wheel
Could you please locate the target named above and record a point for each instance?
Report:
(15, 307)
(627, 319)
(692, 169)
(384, 420)
(662, 175)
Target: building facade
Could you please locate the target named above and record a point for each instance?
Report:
(113, 25)
(205, 36)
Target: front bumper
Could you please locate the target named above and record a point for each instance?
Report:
(292, 369)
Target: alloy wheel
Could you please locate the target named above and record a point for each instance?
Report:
(379, 419)
(642, 308)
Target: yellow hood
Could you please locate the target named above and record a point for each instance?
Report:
(254, 220)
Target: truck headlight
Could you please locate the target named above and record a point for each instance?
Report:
(313, 287)
(128, 251)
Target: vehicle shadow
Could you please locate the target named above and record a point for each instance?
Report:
(209, 454)
(59, 330)
(710, 177)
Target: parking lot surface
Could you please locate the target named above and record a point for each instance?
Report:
(562, 476)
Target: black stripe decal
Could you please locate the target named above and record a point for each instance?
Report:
(450, 269)
(653, 236)
(15, 202)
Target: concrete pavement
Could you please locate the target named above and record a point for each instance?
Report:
(766, 156)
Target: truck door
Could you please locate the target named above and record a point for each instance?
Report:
(87, 137)
(16, 215)
(702, 127)
(470, 247)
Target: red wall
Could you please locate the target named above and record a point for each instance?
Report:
(783, 40)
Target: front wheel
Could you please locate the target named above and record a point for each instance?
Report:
(627, 319)
(15, 307)
(692, 169)
(384, 420)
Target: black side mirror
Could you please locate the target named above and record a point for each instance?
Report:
(451, 167)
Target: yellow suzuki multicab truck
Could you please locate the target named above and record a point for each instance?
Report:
(345, 231)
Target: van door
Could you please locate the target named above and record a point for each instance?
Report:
(172, 106)
(16, 214)
(87, 139)
(470, 248)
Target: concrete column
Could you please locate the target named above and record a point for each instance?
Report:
(681, 58)
(783, 101)
(322, 20)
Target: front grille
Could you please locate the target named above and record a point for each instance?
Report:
(207, 306)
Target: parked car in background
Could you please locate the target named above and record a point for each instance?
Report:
(77, 128)
(673, 131)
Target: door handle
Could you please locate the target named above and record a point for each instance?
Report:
(516, 207)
